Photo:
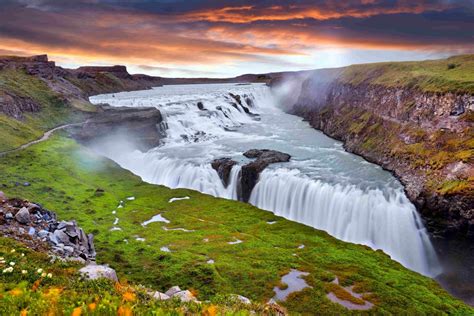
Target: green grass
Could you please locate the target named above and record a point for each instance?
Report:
(455, 74)
(65, 177)
(58, 289)
(54, 110)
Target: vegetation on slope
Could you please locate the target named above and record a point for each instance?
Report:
(75, 183)
(34, 285)
(54, 110)
(454, 74)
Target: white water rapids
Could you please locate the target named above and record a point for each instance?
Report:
(322, 186)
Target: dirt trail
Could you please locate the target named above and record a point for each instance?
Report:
(45, 136)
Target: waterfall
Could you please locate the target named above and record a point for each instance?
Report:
(386, 221)
(322, 189)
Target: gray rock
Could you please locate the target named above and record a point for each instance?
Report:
(160, 296)
(53, 239)
(21, 230)
(62, 237)
(43, 233)
(241, 299)
(31, 231)
(90, 239)
(9, 215)
(23, 216)
(69, 249)
(185, 296)
(26, 184)
(94, 272)
(173, 290)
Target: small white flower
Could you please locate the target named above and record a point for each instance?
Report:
(8, 270)
(49, 275)
(43, 274)
(39, 271)
(24, 271)
(22, 254)
(1, 258)
(13, 250)
(12, 263)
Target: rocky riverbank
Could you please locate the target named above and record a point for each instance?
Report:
(424, 137)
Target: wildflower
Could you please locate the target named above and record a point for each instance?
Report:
(92, 306)
(22, 254)
(77, 311)
(128, 296)
(39, 271)
(8, 270)
(1, 258)
(124, 311)
(16, 292)
(13, 250)
(24, 271)
(12, 263)
(43, 274)
(49, 275)
(24, 312)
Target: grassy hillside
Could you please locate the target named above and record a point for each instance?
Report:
(35, 286)
(75, 183)
(454, 74)
(54, 110)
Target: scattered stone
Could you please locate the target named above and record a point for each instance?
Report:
(23, 216)
(94, 272)
(31, 231)
(241, 299)
(185, 296)
(173, 290)
(165, 249)
(301, 246)
(210, 261)
(26, 184)
(9, 215)
(160, 296)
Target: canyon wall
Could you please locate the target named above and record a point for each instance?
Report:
(426, 138)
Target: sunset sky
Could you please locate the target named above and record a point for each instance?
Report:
(192, 38)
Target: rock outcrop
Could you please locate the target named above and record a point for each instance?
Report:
(223, 166)
(38, 227)
(250, 172)
(138, 124)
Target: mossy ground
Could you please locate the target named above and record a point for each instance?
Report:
(65, 177)
(54, 109)
(454, 74)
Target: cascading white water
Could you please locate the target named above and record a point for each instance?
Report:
(323, 186)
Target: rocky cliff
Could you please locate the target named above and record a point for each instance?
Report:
(419, 128)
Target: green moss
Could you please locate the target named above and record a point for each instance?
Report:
(65, 177)
(53, 110)
(429, 75)
(456, 186)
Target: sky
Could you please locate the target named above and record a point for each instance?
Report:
(224, 38)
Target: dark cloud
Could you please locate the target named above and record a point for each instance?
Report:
(189, 32)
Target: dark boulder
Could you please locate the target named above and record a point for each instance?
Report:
(223, 166)
(251, 172)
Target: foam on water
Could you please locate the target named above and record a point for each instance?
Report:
(323, 186)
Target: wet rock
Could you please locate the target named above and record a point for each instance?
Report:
(250, 172)
(223, 166)
(23, 216)
(200, 106)
(94, 272)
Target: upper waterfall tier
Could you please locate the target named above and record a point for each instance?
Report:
(322, 186)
